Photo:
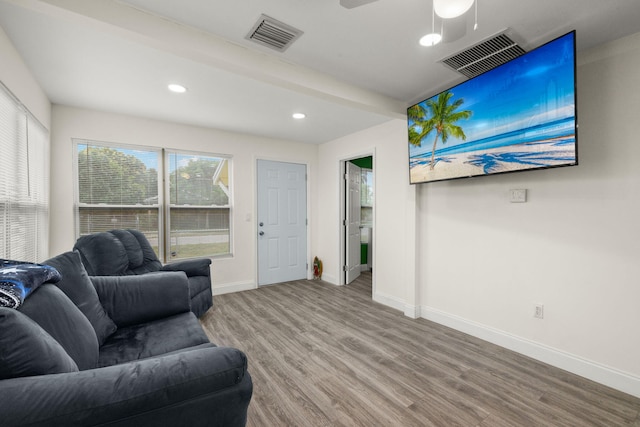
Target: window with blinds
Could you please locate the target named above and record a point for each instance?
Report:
(122, 187)
(199, 204)
(118, 188)
(24, 182)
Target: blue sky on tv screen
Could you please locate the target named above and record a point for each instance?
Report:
(535, 88)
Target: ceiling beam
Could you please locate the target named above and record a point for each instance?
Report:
(209, 49)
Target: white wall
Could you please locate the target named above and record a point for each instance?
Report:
(574, 246)
(460, 254)
(228, 274)
(394, 211)
(15, 75)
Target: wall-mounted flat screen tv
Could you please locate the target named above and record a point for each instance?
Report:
(518, 116)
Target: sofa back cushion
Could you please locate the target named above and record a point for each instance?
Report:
(75, 283)
(102, 254)
(27, 350)
(117, 253)
(142, 258)
(50, 308)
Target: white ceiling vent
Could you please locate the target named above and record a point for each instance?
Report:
(272, 33)
(484, 56)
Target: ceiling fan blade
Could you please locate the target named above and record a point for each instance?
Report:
(350, 4)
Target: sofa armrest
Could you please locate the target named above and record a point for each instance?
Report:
(131, 300)
(195, 387)
(192, 267)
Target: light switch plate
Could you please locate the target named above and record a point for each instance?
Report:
(518, 196)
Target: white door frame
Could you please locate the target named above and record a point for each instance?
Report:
(353, 214)
(255, 210)
(341, 209)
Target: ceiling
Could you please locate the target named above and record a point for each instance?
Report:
(351, 68)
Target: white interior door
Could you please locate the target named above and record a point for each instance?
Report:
(353, 187)
(282, 222)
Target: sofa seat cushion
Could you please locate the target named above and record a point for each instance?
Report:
(152, 339)
(50, 308)
(27, 350)
(75, 283)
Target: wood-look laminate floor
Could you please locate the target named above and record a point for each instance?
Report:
(322, 355)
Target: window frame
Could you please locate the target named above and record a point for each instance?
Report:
(168, 205)
(163, 204)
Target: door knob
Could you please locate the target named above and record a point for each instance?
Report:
(261, 233)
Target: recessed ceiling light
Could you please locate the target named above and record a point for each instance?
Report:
(430, 39)
(177, 88)
(299, 116)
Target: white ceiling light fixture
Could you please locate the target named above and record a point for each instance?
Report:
(448, 9)
(432, 38)
(475, 24)
(298, 116)
(174, 87)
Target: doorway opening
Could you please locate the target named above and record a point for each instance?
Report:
(357, 219)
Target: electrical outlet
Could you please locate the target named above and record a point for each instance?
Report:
(539, 311)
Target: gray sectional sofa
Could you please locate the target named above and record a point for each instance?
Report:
(128, 252)
(118, 351)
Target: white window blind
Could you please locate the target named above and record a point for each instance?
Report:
(24, 182)
(122, 187)
(199, 205)
(118, 189)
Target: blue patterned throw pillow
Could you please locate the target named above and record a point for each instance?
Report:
(18, 279)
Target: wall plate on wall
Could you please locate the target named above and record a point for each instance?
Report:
(518, 196)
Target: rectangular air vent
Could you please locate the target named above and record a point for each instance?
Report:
(272, 33)
(484, 56)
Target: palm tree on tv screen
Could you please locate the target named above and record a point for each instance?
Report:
(417, 115)
(439, 115)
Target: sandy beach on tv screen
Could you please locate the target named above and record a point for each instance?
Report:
(459, 165)
(454, 169)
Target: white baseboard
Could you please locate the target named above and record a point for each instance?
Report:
(228, 288)
(412, 311)
(394, 302)
(602, 374)
(389, 301)
(329, 279)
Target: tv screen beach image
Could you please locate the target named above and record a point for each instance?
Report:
(518, 116)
